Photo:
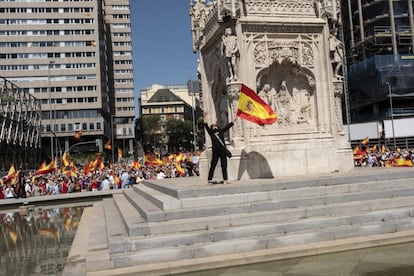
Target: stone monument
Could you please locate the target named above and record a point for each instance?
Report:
(289, 53)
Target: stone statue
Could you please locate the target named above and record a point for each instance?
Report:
(283, 104)
(230, 50)
(268, 94)
(337, 54)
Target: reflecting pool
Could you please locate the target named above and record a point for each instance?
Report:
(36, 240)
(392, 260)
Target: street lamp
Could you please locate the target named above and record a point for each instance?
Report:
(112, 139)
(50, 107)
(392, 114)
(193, 108)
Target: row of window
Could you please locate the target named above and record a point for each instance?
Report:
(123, 62)
(70, 100)
(124, 100)
(88, 126)
(125, 109)
(86, 11)
(47, 55)
(163, 109)
(124, 90)
(80, 88)
(48, 44)
(46, 21)
(25, 67)
(71, 114)
(53, 78)
(75, 127)
(47, 32)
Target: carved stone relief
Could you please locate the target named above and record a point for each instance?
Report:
(290, 93)
(269, 51)
(302, 8)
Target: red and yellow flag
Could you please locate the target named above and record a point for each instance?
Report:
(135, 164)
(252, 108)
(65, 159)
(150, 159)
(108, 145)
(120, 156)
(11, 174)
(87, 167)
(49, 168)
(77, 135)
(365, 141)
(179, 168)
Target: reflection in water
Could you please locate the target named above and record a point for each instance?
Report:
(36, 241)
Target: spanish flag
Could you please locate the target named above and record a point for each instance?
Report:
(108, 145)
(49, 168)
(252, 108)
(151, 160)
(11, 174)
(65, 159)
(180, 169)
(88, 167)
(365, 141)
(77, 135)
(119, 154)
(135, 164)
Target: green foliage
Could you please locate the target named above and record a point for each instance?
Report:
(180, 134)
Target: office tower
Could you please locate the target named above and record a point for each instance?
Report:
(75, 56)
(379, 41)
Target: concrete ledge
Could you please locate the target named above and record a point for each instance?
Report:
(259, 256)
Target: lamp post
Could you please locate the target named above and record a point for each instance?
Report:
(392, 114)
(112, 139)
(193, 108)
(50, 108)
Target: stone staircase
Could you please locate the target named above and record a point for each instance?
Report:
(163, 222)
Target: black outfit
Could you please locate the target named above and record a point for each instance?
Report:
(219, 150)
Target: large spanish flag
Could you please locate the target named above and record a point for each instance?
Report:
(252, 108)
(49, 168)
(11, 174)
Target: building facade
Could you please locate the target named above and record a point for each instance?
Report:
(167, 103)
(379, 43)
(76, 58)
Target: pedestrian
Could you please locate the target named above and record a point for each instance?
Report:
(125, 179)
(219, 150)
(9, 192)
(106, 184)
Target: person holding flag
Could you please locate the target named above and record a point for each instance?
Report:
(219, 149)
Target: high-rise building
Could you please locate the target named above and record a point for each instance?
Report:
(76, 57)
(379, 43)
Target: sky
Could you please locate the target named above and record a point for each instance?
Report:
(162, 43)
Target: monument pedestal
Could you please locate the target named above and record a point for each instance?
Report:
(291, 57)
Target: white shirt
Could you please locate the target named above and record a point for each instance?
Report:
(106, 185)
(161, 175)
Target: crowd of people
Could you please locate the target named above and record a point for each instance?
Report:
(364, 156)
(106, 176)
(96, 176)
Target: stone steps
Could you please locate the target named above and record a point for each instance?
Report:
(261, 237)
(248, 208)
(162, 222)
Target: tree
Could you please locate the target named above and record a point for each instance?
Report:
(149, 128)
(180, 134)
